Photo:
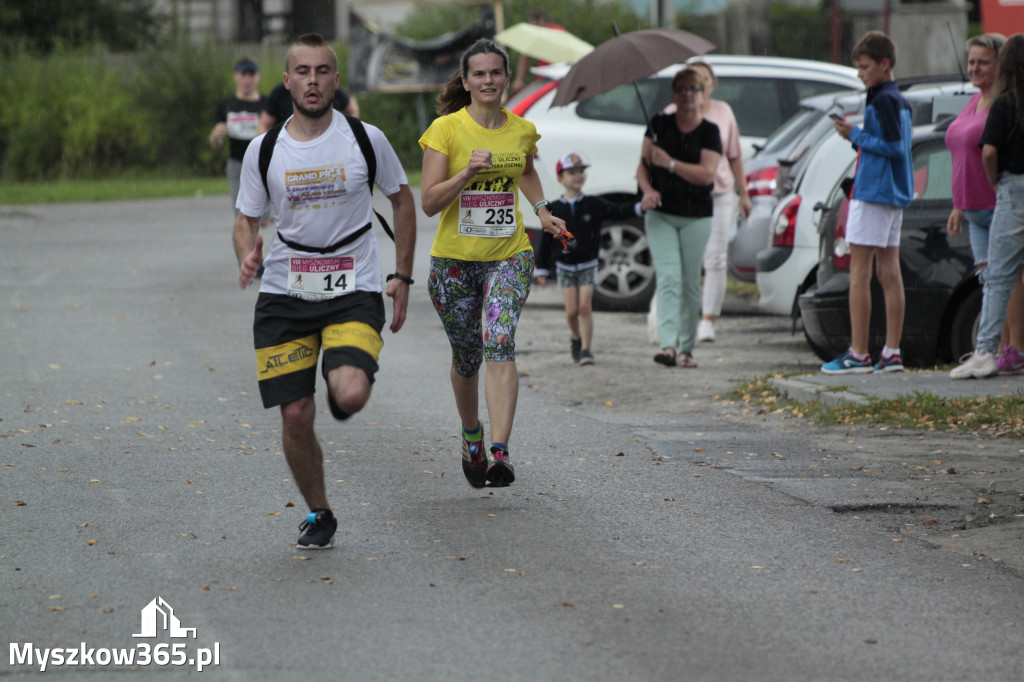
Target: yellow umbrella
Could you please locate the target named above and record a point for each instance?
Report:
(540, 42)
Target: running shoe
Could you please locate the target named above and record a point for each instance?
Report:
(474, 462)
(1010, 362)
(848, 364)
(706, 331)
(975, 366)
(318, 530)
(586, 357)
(575, 348)
(893, 363)
(500, 473)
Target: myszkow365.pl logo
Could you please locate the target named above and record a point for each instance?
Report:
(157, 618)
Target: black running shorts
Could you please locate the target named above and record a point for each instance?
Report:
(289, 332)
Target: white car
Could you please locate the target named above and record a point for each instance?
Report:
(608, 130)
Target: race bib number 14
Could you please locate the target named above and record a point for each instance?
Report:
(487, 214)
(316, 279)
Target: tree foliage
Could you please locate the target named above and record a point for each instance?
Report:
(40, 26)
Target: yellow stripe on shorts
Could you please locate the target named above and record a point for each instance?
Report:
(293, 356)
(353, 335)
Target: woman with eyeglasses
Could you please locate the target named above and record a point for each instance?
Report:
(680, 156)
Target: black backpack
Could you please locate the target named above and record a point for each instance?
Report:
(267, 151)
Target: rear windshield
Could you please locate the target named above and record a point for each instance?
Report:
(786, 134)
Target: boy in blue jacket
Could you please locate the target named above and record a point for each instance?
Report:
(882, 188)
(577, 269)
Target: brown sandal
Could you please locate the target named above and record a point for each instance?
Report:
(666, 356)
(686, 360)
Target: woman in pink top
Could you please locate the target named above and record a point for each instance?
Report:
(730, 181)
(973, 197)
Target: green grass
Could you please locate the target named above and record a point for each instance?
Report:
(993, 416)
(152, 185)
(139, 186)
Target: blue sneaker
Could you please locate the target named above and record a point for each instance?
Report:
(318, 530)
(893, 363)
(848, 364)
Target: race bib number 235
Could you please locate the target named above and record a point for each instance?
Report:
(487, 214)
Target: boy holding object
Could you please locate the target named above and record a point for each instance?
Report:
(577, 269)
(882, 188)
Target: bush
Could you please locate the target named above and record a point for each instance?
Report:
(89, 113)
(78, 118)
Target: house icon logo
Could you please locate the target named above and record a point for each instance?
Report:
(159, 616)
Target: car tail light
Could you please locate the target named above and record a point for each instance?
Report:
(784, 229)
(761, 183)
(840, 248)
(524, 105)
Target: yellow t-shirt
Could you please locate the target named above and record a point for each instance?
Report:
(484, 222)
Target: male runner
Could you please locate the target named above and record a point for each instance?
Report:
(322, 281)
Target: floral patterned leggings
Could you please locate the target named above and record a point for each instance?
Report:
(461, 290)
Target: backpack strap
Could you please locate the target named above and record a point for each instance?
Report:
(371, 163)
(270, 140)
(267, 151)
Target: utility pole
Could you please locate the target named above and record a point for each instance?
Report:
(664, 13)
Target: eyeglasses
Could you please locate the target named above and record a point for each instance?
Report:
(688, 90)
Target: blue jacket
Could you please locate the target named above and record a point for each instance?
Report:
(885, 172)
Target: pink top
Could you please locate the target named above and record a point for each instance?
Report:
(721, 115)
(971, 191)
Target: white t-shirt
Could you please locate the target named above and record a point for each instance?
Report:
(319, 195)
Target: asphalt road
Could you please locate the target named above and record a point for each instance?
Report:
(657, 530)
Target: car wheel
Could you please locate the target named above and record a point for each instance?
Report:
(963, 331)
(625, 272)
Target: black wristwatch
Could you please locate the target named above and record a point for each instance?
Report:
(399, 276)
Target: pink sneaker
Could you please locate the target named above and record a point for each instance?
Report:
(1010, 362)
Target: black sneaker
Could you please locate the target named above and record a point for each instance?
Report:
(574, 347)
(586, 357)
(500, 473)
(474, 462)
(318, 530)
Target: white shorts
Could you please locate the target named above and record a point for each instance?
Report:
(871, 224)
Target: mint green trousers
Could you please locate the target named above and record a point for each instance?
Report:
(677, 249)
